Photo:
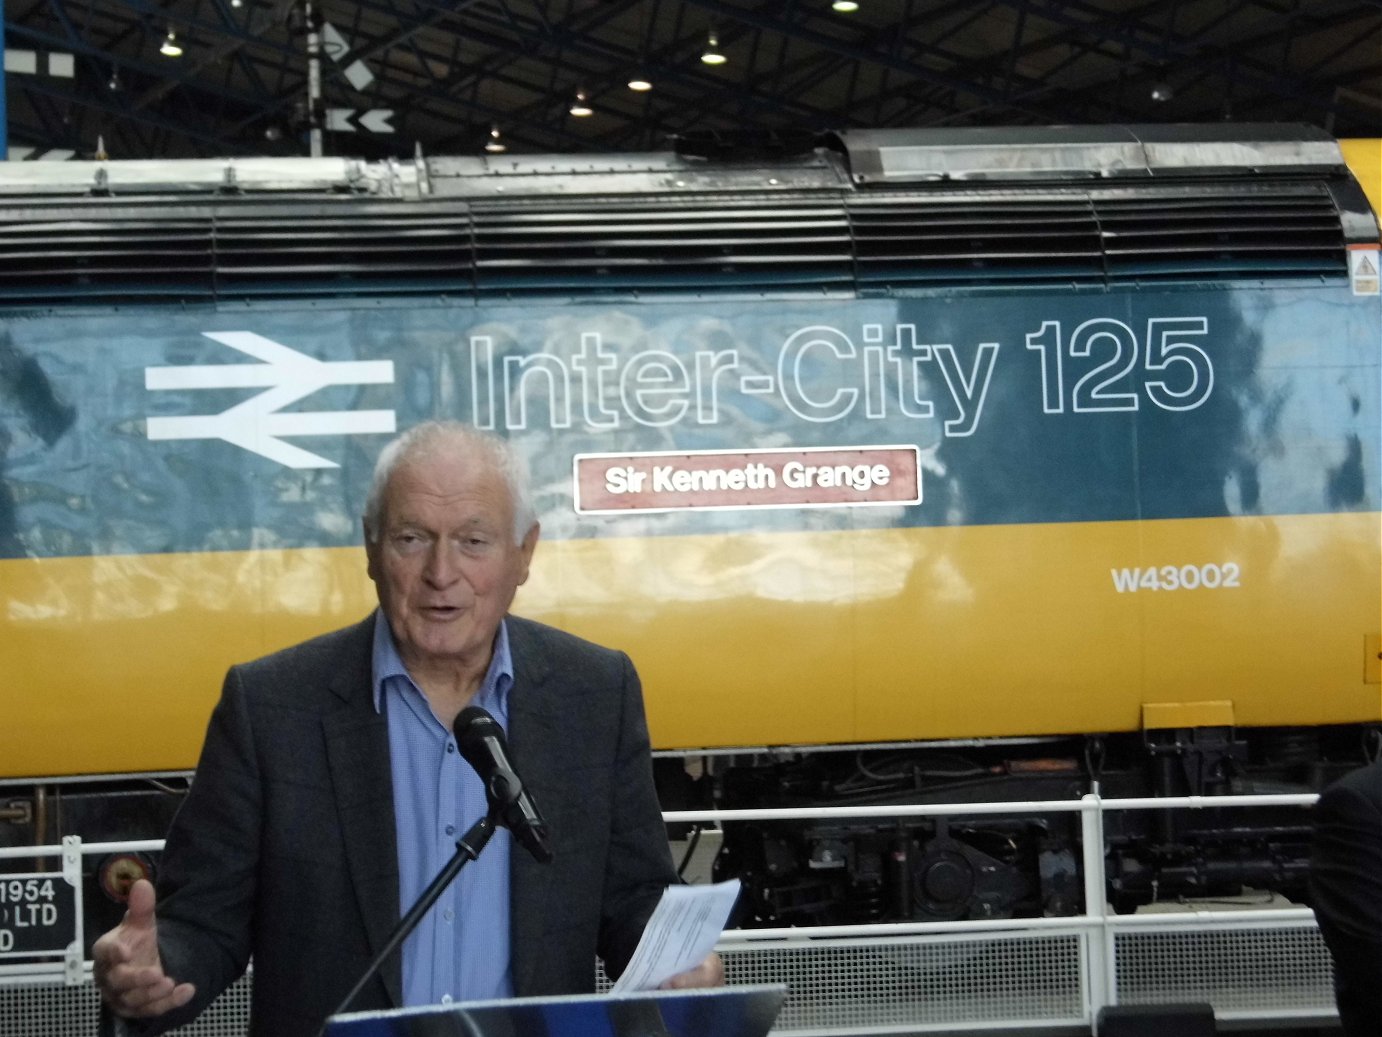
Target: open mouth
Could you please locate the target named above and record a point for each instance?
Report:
(441, 611)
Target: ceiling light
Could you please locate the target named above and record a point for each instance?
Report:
(580, 105)
(1162, 92)
(237, 3)
(170, 47)
(711, 55)
(640, 82)
(845, 6)
(495, 145)
(113, 83)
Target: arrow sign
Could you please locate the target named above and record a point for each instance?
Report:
(336, 47)
(348, 120)
(259, 424)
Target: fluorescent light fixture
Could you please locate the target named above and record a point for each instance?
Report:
(580, 105)
(640, 82)
(845, 6)
(171, 48)
(495, 145)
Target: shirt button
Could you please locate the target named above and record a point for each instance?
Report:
(446, 999)
(450, 829)
(451, 747)
(448, 914)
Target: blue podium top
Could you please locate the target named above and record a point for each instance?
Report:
(740, 1011)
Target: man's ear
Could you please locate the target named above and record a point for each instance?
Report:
(371, 554)
(525, 551)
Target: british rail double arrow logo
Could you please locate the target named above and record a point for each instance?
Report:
(258, 423)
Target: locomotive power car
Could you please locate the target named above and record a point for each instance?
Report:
(909, 466)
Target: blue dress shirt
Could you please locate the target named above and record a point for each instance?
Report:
(460, 949)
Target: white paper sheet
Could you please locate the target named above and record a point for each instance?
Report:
(683, 929)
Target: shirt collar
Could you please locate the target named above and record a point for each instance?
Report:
(386, 663)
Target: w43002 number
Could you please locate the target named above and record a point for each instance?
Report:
(1213, 576)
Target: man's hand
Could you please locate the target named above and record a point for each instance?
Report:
(709, 973)
(127, 967)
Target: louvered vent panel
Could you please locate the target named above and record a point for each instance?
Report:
(380, 249)
(114, 250)
(1192, 232)
(1286, 230)
(229, 250)
(689, 244)
(47, 255)
(972, 238)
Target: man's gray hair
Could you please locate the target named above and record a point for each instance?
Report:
(457, 439)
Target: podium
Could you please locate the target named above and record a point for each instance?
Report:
(740, 1011)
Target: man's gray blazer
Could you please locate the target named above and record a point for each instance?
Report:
(285, 849)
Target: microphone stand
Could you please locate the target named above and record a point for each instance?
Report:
(468, 848)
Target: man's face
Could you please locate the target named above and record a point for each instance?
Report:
(445, 564)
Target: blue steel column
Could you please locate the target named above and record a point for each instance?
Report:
(4, 113)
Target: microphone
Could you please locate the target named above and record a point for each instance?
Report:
(482, 743)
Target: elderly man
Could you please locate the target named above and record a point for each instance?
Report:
(330, 790)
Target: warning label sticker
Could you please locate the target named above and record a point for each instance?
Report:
(1363, 265)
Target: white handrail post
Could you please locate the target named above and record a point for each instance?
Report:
(1101, 977)
(73, 972)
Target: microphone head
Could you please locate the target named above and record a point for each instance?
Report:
(473, 725)
(482, 743)
(469, 716)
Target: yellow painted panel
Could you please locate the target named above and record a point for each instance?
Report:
(113, 664)
(1161, 715)
(740, 639)
(1279, 645)
(1364, 158)
(976, 632)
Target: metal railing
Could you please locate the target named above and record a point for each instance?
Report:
(1023, 974)
(1033, 974)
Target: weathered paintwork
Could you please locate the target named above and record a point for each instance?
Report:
(1068, 444)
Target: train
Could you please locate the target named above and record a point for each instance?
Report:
(929, 465)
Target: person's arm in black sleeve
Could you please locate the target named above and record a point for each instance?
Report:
(1346, 887)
